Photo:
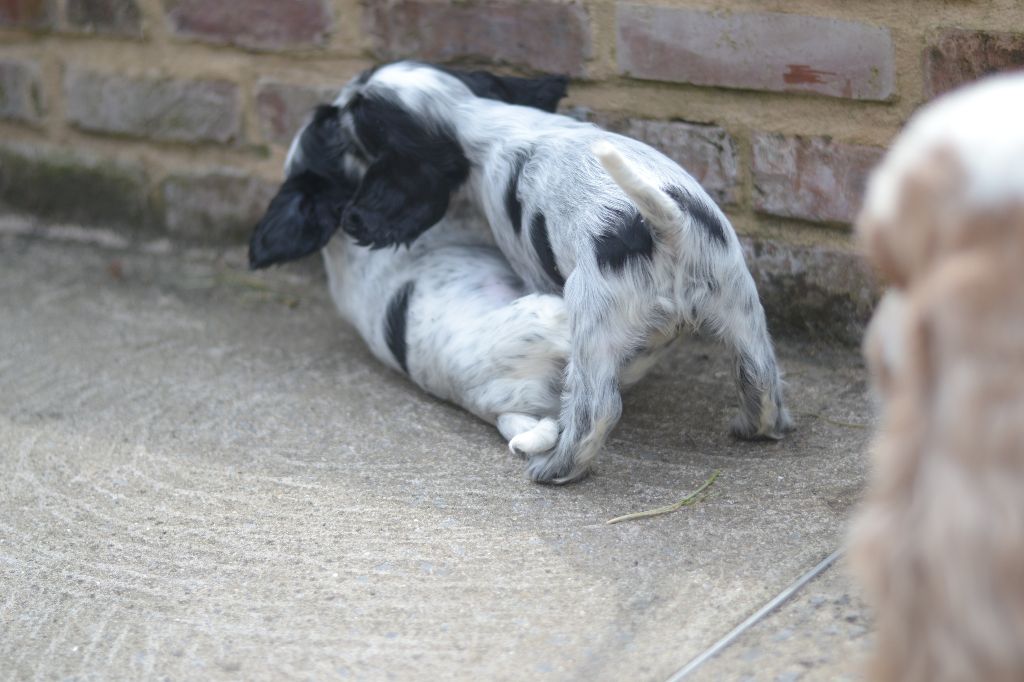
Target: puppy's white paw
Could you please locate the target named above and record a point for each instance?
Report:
(540, 438)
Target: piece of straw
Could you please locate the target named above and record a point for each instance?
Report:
(691, 499)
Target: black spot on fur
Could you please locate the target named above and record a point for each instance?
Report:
(702, 214)
(395, 321)
(626, 237)
(414, 171)
(540, 93)
(542, 246)
(512, 204)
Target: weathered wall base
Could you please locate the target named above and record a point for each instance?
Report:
(172, 117)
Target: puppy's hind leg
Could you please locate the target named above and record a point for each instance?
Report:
(740, 322)
(591, 403)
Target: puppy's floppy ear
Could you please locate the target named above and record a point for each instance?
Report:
(322, 144)
(307, 210)
(301, 219)
(542, 93)
(396, 202)
(416, 167)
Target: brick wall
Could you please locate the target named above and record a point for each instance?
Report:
(171, 117)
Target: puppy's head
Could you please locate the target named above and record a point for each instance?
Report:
(904, 238)
(952, 182)
(321, 180)
(400, 117)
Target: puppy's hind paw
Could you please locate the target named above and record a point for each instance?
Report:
(553, 470)
(745, 429)
(540, 438)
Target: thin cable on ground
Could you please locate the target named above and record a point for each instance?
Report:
(733, 634)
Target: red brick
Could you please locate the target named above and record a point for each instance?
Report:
(810, 178)
(706, 152)
(959, 56)
(546, 36)
(217, 206)
(283, 107)
(21, 91)
(758, 51)
(158, 108)
(260, 24)
(35, 14)
(109, 17)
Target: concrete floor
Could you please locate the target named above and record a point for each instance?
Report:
(203, 474)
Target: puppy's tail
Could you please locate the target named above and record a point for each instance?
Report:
(655, 205)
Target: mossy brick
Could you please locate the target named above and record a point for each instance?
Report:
(814, 292)
(166, 109)
(71, 188)
(106, 17)
(21, 91)
(30, 14)
(215, 207)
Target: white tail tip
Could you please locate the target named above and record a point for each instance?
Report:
(603, 150)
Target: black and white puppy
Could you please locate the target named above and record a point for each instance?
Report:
(449, 312)
(633, 243)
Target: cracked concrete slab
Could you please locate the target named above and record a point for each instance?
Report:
(204, 474)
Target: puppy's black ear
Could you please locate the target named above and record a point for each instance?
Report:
(322, 144)
(540, 93)
(417, 165)
(396, 202)
(301, 219)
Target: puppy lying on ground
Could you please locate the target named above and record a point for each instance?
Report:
(448, 311)
(632, 242)
(940, 541)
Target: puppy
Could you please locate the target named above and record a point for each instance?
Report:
(448, 312)
(939, 542)
(632, 242)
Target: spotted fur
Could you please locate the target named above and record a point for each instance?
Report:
(448, 311)
(579, 179)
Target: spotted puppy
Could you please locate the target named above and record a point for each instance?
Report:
(636, 247)
(939, 542)
(448, 312)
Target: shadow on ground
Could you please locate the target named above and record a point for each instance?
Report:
(204, 474)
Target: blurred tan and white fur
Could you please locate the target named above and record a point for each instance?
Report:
(939, 543)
